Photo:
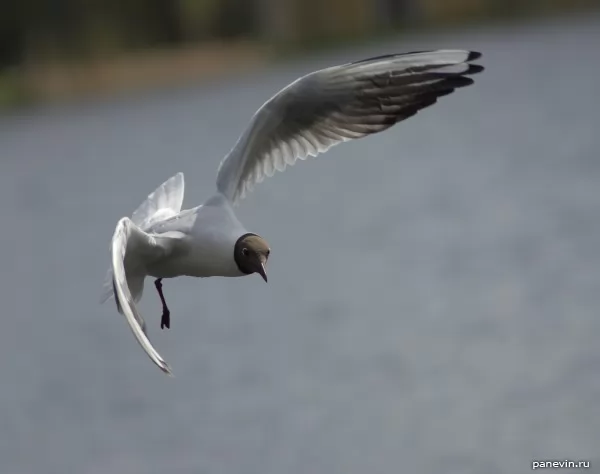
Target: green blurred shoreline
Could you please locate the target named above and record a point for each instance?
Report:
(62, 80)
(59, 81)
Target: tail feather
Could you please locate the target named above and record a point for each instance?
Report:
(107, 288)
(134, 281)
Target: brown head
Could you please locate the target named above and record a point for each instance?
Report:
(251, 253)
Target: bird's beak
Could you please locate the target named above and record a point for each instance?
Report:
(262, 271)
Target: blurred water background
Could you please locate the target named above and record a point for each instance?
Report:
(433, 294)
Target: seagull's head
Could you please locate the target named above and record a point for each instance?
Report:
(251, 253)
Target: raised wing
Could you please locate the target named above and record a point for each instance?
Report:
(338, 104)
(131, 248)
(164, 202)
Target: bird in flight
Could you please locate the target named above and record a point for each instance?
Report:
(306, 118)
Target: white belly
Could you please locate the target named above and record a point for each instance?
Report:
(199, 261)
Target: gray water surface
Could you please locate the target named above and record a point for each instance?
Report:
(433, 297)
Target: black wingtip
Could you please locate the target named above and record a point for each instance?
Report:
(458, 81)
(473, 55)
(474, 69)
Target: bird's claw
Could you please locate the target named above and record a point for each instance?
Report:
(166, 319)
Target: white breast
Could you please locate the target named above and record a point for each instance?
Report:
(211, 233)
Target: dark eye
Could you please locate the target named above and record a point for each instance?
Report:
(268, 252)
(245, 252)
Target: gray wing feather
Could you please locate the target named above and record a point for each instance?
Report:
(338, 104)
(129, 242)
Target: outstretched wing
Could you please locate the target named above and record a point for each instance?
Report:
(131, 248)
(338, 104)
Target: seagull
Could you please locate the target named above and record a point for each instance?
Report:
(306, 118)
